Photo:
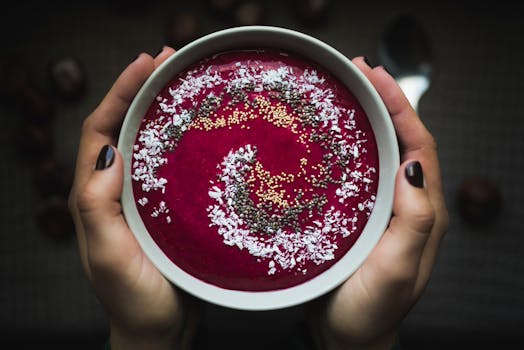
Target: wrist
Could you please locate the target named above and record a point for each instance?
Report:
(121, 340)
(330, 341)
(386, 342)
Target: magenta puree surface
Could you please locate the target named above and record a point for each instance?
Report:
(255, 170)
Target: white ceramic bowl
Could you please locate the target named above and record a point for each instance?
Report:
(347, 73)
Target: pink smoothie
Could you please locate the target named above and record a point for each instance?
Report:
(255, 170)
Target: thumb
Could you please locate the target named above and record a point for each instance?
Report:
(110, 243)
(413, 218)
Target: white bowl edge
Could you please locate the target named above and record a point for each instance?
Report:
(353, 78)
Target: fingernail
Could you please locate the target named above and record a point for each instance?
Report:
(137, 56)
(387, 70)
(414, 174)
(159, 51)
(105, 158)
(366, 60)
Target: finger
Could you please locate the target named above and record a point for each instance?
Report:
(362, 64)
(390, 272)
(109, 242)
(417, 143)
(108, 116)
(412, 133)
(163, 55)
(430, 254)
(80, 235)
(414, 138)
(403, 243)
(102, 126)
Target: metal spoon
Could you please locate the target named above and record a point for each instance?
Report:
(405, 51)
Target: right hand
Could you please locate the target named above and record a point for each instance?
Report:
(366, 311)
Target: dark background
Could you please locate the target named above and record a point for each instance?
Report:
(474, 108)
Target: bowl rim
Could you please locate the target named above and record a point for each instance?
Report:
(344, 70)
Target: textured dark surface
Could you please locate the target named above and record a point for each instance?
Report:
(473, 108)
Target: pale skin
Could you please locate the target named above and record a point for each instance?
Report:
(366, 311)
(145, 311)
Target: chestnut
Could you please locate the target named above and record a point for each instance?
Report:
(249, 13)
(67, 77)
(182, 28)
(311, 12)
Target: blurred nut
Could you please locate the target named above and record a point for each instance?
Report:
(67, 77)
(249, 13)
(311, 12)
(221, 7)
(182, 28)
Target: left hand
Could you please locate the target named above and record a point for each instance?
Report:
(145, 311)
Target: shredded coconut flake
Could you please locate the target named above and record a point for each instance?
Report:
(285, 249)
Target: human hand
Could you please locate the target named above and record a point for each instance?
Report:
(366, 311)
(145, 311)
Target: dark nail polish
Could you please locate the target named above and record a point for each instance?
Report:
(367, 62)
(105, 158)
(414, 174)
